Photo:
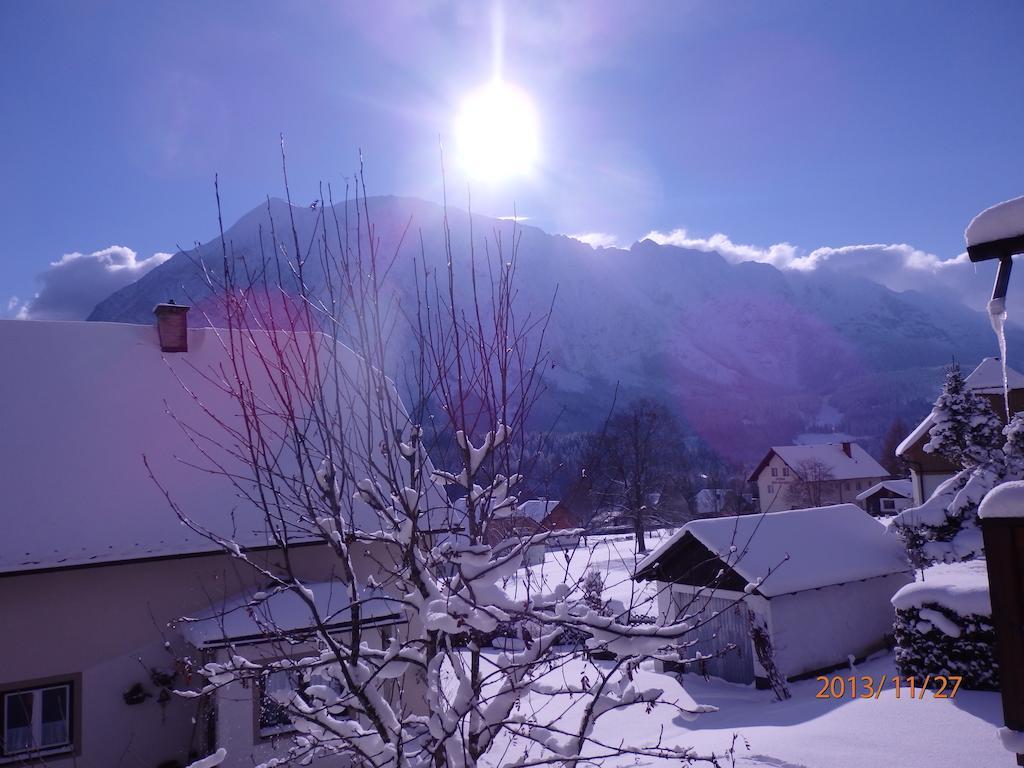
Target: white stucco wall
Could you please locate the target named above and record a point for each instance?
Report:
(99, 622)
(821, 627)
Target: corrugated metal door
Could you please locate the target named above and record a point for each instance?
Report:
(723, 623)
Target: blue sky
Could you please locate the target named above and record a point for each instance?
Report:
(811, 123)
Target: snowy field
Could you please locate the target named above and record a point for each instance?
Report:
(612, 556)
(803, 732)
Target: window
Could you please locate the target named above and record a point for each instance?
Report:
(846, 487)
(37, 721)
(888, 505)
(771, 489)
(775, 471)
(785, 471)
(277, 688)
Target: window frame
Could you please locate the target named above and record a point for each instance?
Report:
(271, 733)
(73, 746)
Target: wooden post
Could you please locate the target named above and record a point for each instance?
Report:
(1004, 555)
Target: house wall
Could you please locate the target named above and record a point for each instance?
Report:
(820, 628)
(775, 490)
(109, 624)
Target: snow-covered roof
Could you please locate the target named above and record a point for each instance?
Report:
(1001, 221)
(832, 455)
(83, 403)
(903, 487)
(536, 509)
(796, 550)
(252, 616)
(986, 379)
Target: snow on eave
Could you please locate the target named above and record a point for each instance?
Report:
(1006, 501)
(246, 617)
(998, 222)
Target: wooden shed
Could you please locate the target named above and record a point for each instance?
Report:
(817, 581)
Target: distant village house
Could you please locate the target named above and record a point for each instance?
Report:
(800, 476)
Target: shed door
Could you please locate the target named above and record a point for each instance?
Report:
(716, 634)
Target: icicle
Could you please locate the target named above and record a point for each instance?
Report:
(997, 314)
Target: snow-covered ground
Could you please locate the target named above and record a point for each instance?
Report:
(803, 732)
(807, 732)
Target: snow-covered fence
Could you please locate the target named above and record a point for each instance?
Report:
(944, 626)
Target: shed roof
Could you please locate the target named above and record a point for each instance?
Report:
(792, 551)
(83, 402)
(858, 464)
(902, 487)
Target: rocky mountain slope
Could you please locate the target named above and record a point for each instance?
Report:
(747, 354)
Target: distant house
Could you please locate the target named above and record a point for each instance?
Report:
(817, 582)
(96, 569)
(715, 502)
(504, 533)
(887, 497)
(554, 516)
(796, 476)
(929, 470)
(712, 502)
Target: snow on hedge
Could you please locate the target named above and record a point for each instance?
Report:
(944, 626)
(960, 587)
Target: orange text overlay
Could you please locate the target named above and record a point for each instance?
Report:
(868, 687)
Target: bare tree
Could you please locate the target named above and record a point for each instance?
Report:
(324, 449)
(643, 457)
(813, 480)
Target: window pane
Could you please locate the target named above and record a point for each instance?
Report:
(17, 722)
(277, 687)
(55, 718)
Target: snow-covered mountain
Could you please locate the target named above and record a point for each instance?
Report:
(749, 355)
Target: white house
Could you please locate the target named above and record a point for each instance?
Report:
(794, 476)
(928, 470)
(817, 581)
(96, 569)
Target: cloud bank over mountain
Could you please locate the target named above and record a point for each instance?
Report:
(897, 266)
(72, 286)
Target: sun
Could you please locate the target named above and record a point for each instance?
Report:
(496, 132)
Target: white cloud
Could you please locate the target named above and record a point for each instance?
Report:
(598, 239)
(897, 266)
(513, 218)
(12, 303)
(71, 287)
(779, 255)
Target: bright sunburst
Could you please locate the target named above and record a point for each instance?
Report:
(496, 132)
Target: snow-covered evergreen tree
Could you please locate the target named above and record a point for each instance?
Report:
(967, 431)
(945, 528)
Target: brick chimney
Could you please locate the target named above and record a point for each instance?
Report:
(172, 326)
(848, 449)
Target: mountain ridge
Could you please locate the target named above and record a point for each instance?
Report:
(748, 354)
